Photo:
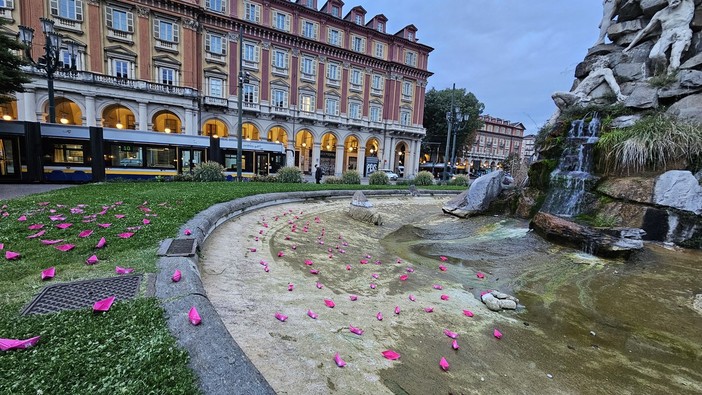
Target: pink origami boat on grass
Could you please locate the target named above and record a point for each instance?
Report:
(17, 344)
(104, 304)
(49, 273)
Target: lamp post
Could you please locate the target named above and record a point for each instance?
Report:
(243, 78)
(51, 61)
(455, 119)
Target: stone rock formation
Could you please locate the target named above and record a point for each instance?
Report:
(360, 200)
(478, 196)
(497, 301)
(360, 210)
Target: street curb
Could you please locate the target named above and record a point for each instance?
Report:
(217, 360)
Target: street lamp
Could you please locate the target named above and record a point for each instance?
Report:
(455, 119)
(50, 62)
(243, 78)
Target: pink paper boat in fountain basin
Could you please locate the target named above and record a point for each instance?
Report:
(355, 330)
(479, 275)
(404, 277)
(65, 247)
(450, 334)
(468, 313)
(339, 362)
(442, 268)
(176, 276)
(123, 270)
(194, 316)
(379, 316)
(17, 344)
(103, 305)
(330, 303)
(397, 309)
(92, 260)
(85, 233)
(444, 297)
(101, 243)
(444, 364)
(443, 258)
(38, 234)
(353, 298)
(391, 355)
(312, 314)
(454, 345)
(281, 317)
(11, 255)
(49, 273)
(497, 334)
(125, 235)
(412, 297)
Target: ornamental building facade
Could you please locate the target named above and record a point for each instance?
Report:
(493, 143)
(332, 87)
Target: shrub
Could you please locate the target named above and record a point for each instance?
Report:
(185, 177)
(460, 179)
(424, 178)
(289, 175)
(268, 178)
(351, 177)
(333, 180)
(208, 171)
(378, 178)
(403, 182)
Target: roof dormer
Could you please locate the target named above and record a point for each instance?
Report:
(357, 15)
(378, 23)
(308, 3)
(409, 32)
(333, 8)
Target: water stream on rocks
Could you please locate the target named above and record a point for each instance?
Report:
(588, 325)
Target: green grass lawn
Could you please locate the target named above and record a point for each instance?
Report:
(128, 349)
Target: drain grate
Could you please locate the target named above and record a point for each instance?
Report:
(81, 294)
(181, 247)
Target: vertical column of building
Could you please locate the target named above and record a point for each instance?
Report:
(145, 44)
(418, 109)
(294, 68)
(95, 36)
(143, 117)
(26, 106)
(321, 69)
(361, 160)
(90, 117)
(366, 92)
(192, 54)
(339, 160)
(390, 101)
(265, 72)
(234, 62)
(345, 89)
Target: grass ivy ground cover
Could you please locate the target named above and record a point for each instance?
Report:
(127, 349)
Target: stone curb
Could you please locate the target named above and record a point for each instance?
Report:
(217, 360)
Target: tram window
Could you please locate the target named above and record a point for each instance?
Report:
(126, 156)
(64, 153)
(161, 157)
(246, 161)
(230, 162)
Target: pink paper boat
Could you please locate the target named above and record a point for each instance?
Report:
(65, 247)
(437, 286)
(444, 297)
(105, 226)
(123, 270)
(281, 317)
(354, 330)
(2, 246)
(468, 313)
(391, 355)
(57, 218)
(308, 262)
(410, 270)
(404, 277)
(429, 309)
(49, 273)
(85, 233)
(454, 345)
(103, 305)
(101, 243)
(329, 303)
(145, 221)
(281, 254)
(412, 297)
(314, 271)
(194, 316)
(253, 249)
(312, 314)
(450, 334)
(50, 242)
(319, 285)
(16, 344)
(397, 309)
(442, 268)
(92, 260)
(291, 287)
(480, 275)
(35, 226)
(348, 267)
(11, 255)
(38, 234)
(64, 225)
(119, 216)
(176, 276)
(126, 235)
(353, 298)
(187, 232)
(22, 218)
(373, 286)
(497, 334)
(379, 316)
(444, 364)
(339, 362)
(375, 276)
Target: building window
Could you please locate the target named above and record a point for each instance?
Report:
(381, 27)
(308, 68)
(356, 80)
(118, 19)
(333, 74)
(250, 93)
(216, 5)
(215, 44)
(406, 90)
(120, 68)
(376, 113)
(281, 21)
(280, 61)
(279, 98)
(309, 30)
(7, 4)
(251, 55)
(307, 102)
(379, 50)
(252, 12)
(336, 11)
(410, 58)
(165, 31)
(405, 117)
(359, 19)
(334, 37)
(167, 75)
(331, 106)
(67, 9)
(358, 44)
(216, 87)
(355, 110)
(377, 85)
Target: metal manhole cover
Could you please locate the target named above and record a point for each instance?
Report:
(81, 294)
(181, 247)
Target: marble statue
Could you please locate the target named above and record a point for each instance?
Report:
(676, 34)
(610, 9)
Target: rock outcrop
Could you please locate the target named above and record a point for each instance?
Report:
(478, 196)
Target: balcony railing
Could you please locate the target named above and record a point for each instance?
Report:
(171, 46)
(69, 24)
(215, 101)
(215, 57)
(120, 35)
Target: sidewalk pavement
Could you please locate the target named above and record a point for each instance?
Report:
(12, 191)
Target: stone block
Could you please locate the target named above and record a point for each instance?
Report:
(692, 63)
(617, 30)
(630, 10)
(644, 96)
(688, 109)
(629, 71)
(650, 7)
(690, 78)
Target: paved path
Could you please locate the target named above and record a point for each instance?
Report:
(11, 191)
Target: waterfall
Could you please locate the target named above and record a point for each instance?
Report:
(570, 181)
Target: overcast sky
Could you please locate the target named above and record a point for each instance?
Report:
(512, 54)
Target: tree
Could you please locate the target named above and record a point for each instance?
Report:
(12, 77)
(437, 104)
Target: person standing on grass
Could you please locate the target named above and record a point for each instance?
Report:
(318, 173)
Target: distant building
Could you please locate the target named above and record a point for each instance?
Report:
(528, 153)
(492, 144)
